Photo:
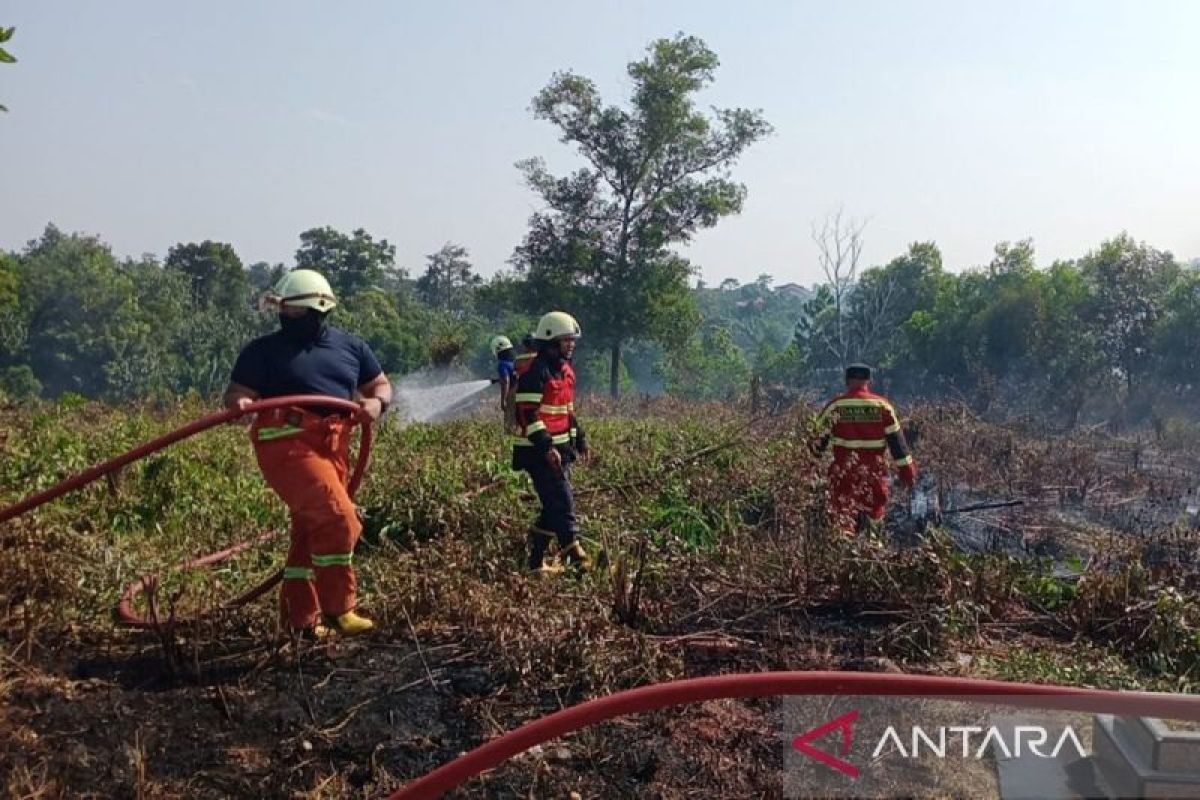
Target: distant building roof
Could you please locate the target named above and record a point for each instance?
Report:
(794, 289)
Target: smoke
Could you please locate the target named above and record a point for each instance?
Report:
(437, 394)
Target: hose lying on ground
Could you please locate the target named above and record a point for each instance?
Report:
(768, 684)
(125, 612)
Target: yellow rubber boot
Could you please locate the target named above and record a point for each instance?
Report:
(578, 557)
(350, 624)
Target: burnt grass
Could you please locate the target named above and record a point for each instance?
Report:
(715, 559)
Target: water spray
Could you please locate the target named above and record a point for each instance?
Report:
(432, 395)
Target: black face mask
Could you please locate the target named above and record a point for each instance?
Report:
(303, 330)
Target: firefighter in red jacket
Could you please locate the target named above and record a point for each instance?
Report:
(550, 439)
(864, 429)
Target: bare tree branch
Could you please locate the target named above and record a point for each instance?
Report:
(839, 246)
(871, 313)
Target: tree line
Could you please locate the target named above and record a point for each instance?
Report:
(1114, 330)
(1110, 333)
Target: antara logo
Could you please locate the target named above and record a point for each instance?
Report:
(845, 724)
(942, 742)
(1033, 737)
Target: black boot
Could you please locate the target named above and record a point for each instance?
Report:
(539, 540)
(578, 557)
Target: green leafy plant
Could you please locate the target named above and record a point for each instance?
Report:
(5, 56)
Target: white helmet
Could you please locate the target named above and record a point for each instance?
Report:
(500, 344)
(302, 287)
(556, 325)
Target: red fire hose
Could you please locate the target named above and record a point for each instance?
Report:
(768, 684)
(647, 698)
(125, 612)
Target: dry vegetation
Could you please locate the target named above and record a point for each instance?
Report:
(718, 559)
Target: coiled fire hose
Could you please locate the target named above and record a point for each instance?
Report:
(126, 615)
(770, 684)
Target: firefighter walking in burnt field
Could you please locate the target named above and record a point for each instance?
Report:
(549, 439)
(864, 429)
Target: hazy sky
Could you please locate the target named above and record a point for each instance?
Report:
(152, 122)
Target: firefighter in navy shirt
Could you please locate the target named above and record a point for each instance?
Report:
(304, 453)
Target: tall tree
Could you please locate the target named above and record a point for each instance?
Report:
(1074, 360)
(449, 283)
(502, 296)
(1013, 258)
(708, 367)
(263, 276)
(82, 313)
(657, 172)
(397, 328)
(214, 273)
(872, 317)
(13, 329)
(886, 298)
(1129, 284)
(350, 263)
(1178, 358)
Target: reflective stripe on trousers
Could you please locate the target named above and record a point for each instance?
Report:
(308, 470)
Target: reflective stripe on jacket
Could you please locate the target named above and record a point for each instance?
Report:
(523, 362)
(863, 423)
(545, 406)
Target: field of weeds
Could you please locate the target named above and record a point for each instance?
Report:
(717, 560)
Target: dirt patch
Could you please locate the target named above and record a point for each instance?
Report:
(283, 725)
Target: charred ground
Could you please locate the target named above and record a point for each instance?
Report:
(720, 562)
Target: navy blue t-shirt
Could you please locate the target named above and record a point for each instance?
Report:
(335, 365)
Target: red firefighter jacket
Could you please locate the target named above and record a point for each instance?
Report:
(863, 426)
(545, 405)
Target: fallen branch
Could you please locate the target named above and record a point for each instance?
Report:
(480, 490)
(708, 640)
(420, 650)
(984, 506)
(357, 707)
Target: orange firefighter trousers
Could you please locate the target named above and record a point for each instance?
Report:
(305, 460)
(858, 486)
